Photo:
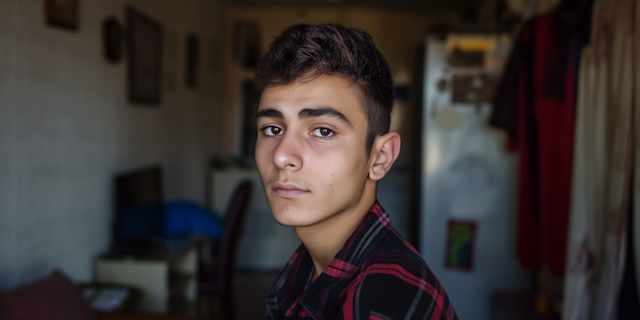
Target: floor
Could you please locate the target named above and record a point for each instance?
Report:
(251, 288)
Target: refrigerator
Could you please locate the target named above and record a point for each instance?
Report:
(467, 229)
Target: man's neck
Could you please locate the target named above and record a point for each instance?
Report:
(323, 240)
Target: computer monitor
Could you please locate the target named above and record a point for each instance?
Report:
(139, 218)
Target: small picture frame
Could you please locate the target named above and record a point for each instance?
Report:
(461, 235)
(474, 89)
(62, 13)
(112, 39)
(192, 55)
(144, 39)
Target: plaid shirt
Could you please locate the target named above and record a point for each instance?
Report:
(376, 275)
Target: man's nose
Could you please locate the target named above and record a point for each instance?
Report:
(288, 154)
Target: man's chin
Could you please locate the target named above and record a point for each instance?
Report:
(287, 217)
(290, 216)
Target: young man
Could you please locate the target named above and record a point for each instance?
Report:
(323, 144)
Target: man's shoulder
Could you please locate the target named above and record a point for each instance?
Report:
(393, 249)
(395, 281)
(396, 268)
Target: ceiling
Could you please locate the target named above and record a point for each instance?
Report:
(413, 5)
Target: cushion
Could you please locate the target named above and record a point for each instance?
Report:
(55, 297)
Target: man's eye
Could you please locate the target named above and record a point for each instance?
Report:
(272, 131)
(323, 132)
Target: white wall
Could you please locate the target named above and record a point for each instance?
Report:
(66, 127)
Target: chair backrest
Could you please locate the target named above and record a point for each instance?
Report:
(234, 216)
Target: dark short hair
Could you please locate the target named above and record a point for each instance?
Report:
(304, 52)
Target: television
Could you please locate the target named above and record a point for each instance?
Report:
(139, 205)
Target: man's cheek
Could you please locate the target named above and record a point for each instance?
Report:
(263, 160)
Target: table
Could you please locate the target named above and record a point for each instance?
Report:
(165, 278)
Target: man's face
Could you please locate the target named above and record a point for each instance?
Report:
(311, 149)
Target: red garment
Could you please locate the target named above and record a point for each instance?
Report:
(555, 130)
(527, 249)
(543, 69)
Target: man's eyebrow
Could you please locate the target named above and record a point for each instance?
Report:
(323, 111)
(270, 113)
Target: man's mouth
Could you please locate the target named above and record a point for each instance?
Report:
(288, 190)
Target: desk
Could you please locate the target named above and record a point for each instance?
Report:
(162, 277)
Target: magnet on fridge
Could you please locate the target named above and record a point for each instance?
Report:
(461, 235)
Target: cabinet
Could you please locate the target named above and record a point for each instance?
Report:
(166, 279)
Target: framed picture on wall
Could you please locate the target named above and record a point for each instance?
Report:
(62, 13)
(144, 38)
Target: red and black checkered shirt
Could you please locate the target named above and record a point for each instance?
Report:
(376, 275)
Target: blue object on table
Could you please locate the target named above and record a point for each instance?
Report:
(138, 222)
(183, 218)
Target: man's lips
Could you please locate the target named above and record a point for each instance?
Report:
(288, 190)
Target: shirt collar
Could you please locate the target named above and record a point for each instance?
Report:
(318, 299)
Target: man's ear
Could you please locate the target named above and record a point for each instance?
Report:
(384, 153)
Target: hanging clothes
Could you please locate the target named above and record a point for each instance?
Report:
(601, 178)
(635, 218)
(535, 104)
(629, 303)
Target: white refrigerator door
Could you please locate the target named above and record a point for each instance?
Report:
(467, 175)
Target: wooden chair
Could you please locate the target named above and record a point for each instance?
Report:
(217, 282)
